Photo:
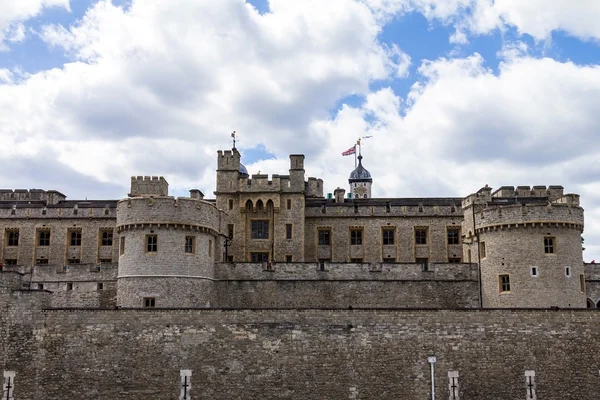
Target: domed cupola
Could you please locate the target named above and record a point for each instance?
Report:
(243, 171)
(360, 181)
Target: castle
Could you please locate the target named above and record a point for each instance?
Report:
(279, 260)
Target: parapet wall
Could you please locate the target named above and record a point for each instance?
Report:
(168, 210)
(520, 214)
(303, 354)
(345, 271)
(47, 196)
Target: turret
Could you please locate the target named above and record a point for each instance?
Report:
(360, 181)
(544, 267)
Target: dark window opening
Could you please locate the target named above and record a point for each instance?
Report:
(44, 238)
(549, 245)
(288, 231)
(504, 282)
(75, 238)
(149, 302)
(189, 244)
(13, 238)
(388, 236)
(453, 236)
(420, 236)
(356, 236)
(260, 229)
(151, 243)
(259, 257)
(324, 237)
(107, 238)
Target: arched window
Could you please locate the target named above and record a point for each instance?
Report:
(249, 205)
(364, 196)
(259, 205)
(590, 304)
(598, 305)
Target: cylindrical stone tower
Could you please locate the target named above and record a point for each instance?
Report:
(530, 253)
(167, 251)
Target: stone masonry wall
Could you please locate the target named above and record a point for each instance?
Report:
(301, 354)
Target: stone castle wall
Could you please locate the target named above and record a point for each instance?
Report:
(293, 354)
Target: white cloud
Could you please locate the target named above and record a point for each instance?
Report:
(13, 13)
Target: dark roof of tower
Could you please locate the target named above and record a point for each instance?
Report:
(243, 170)
(360, 173)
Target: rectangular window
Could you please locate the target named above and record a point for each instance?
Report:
(454, 260)
(149, 302)
(549, 245)
(210, 248)
(40, 286)
(259, 257)
(105, 260)
(230, 231)
(324, 237)
(453, 235)
(260, 229)
(356, 260)
(10, 261)
(41, 261)
(44, 237)
(12, 238)
(122, 245)
(504, 283)
(388, 236)
(230, 204)
(356, 236)
(288, 231)
(424, 263)
(288, 259)
(389, 260)
(75, 238)
(151, 243)
(582, 283)
(288, 204)
(107, 238)
(189, 244)
(100, 286)
(534, 272)
(568, 272)
(69, 286)
(482, 250)
(420, 235)
(73, 261)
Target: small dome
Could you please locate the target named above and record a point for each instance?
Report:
(360, 173)
(243, 170)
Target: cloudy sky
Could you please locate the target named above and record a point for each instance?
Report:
(456, 94)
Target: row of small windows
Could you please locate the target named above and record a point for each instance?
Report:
(504, 279)
(69, 286)
(13, 211)
(549, 246)
(43, 237)
(151, 245)
(388, 236)
(259, 204)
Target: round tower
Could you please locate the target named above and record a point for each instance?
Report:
(167, 251)
(360, 181)
(529, 250)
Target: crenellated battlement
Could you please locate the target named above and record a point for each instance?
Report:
(37, 195)
(521, 215)
(148, 186)
(168, 210)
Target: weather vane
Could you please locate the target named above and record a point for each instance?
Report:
(233, 136)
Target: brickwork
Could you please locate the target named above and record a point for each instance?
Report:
(294, 354)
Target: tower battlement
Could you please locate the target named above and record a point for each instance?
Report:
(148, 186)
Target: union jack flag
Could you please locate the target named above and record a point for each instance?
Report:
(350, 151)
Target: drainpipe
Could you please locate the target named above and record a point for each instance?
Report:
(431, 361)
